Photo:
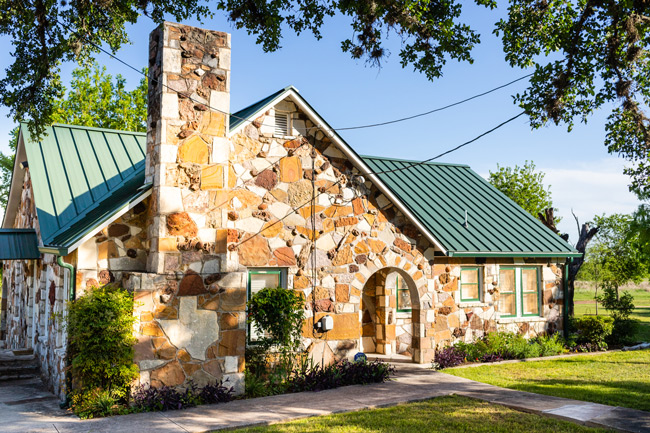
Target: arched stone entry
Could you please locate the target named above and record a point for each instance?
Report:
(390, 314)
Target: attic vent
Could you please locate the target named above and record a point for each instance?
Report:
(282, 123)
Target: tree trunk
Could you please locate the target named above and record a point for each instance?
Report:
(586, 233)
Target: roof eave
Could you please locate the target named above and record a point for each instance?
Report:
(514, 254)
(64, 250)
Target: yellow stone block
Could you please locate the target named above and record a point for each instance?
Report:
(194, 150)
(213, 124)
(212, 177)
(167, 244)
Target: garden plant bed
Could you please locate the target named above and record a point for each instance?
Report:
(539, 358)
(614, 378)
(442, 414)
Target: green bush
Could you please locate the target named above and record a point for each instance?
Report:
(620, 307)
(624, 332)
(100, 326)
(278, 315)
(593, 330)
(550, 344)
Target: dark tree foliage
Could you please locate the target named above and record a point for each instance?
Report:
(586, 54)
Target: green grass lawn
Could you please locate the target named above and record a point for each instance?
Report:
(444, 414)
(641, 312)
(616, 379)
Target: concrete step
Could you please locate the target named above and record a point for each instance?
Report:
(18, 364)
(19, 352)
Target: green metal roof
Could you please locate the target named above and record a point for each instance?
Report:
(438, 194)
(18, 244)
(244, 114)
(82, 176)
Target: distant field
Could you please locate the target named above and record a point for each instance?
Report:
(586, 304)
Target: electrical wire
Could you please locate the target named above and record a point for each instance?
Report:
(415, 164)
(372, 125)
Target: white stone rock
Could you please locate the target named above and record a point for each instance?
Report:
(199, 219)
(194, 330)
(258, 190)
(196, 267)
(279, 209)
(328, 282)
(224, 58)
(231, 364)
(260, 164)
(150, 364)
(207, 234)
(170, 200)
(364, 226)
(220, 150)
(87, 255)
(168, 153)
(333, 152)
(548, 274)
(250, 224)
(220, 101)
(235, 380)
(275, 243)
(212, 266)
(299, 127)
(171, 61)
(294, 220)
(285, 105)
(296, 249)
(236, 204)
(169, 106)
(325, 242)
(276, 151)
(382, 201)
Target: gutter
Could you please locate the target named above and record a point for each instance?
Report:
(71, 297)
(565, 309)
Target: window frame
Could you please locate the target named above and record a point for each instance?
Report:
(282, 278)
(479, 281)
(521, 291)
(514, 291)
(397, 290)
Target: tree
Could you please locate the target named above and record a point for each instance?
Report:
(617, 253)
(586, 54)
(95, 99)
(524, 186)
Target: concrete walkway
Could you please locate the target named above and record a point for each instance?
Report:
(25, 408)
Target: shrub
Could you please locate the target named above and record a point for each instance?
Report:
(593, 329)
(550, 345)
(450, 356)
(101, 348)
(624, 332)
(318, 378)
(94, 403)
(620, 308)
(147, 399)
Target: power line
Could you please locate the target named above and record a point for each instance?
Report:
(440, 155)
(372, 125)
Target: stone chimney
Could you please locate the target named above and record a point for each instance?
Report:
(187, 149)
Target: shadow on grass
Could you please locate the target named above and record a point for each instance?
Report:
(624, 393)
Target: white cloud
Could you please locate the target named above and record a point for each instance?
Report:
(589, 188)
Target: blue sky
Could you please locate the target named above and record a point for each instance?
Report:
(582, 175)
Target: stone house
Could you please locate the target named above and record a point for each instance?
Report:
(208, 207)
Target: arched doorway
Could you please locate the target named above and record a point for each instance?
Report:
(390, 314)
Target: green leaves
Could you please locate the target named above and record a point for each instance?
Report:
(278, 313)
(524, 186)
(100, 333)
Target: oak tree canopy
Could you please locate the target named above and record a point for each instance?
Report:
(586, 54)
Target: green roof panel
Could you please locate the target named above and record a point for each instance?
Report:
(241, 116)
(81, 177)
(439, 194)
(18, 244)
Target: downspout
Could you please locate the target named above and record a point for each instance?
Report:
(565, 310)
(71, 289)
(71, 298)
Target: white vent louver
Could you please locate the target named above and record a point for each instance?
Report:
(281, 124)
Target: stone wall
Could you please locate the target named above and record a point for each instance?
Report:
(122, 246)
(36, 294)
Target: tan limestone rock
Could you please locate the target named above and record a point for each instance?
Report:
(212, 177)
(290, 169)
(272, 229)
(194, 150)
(181, 224)
(213, 124)
(232, 343)
(254, 251)
(343, 257)
(229, 321)
(170, 374)
(285, 256)
(346, 326)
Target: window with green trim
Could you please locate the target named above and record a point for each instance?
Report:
(403, 295)
(519, 291)
(259, 279)
(470, 284)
